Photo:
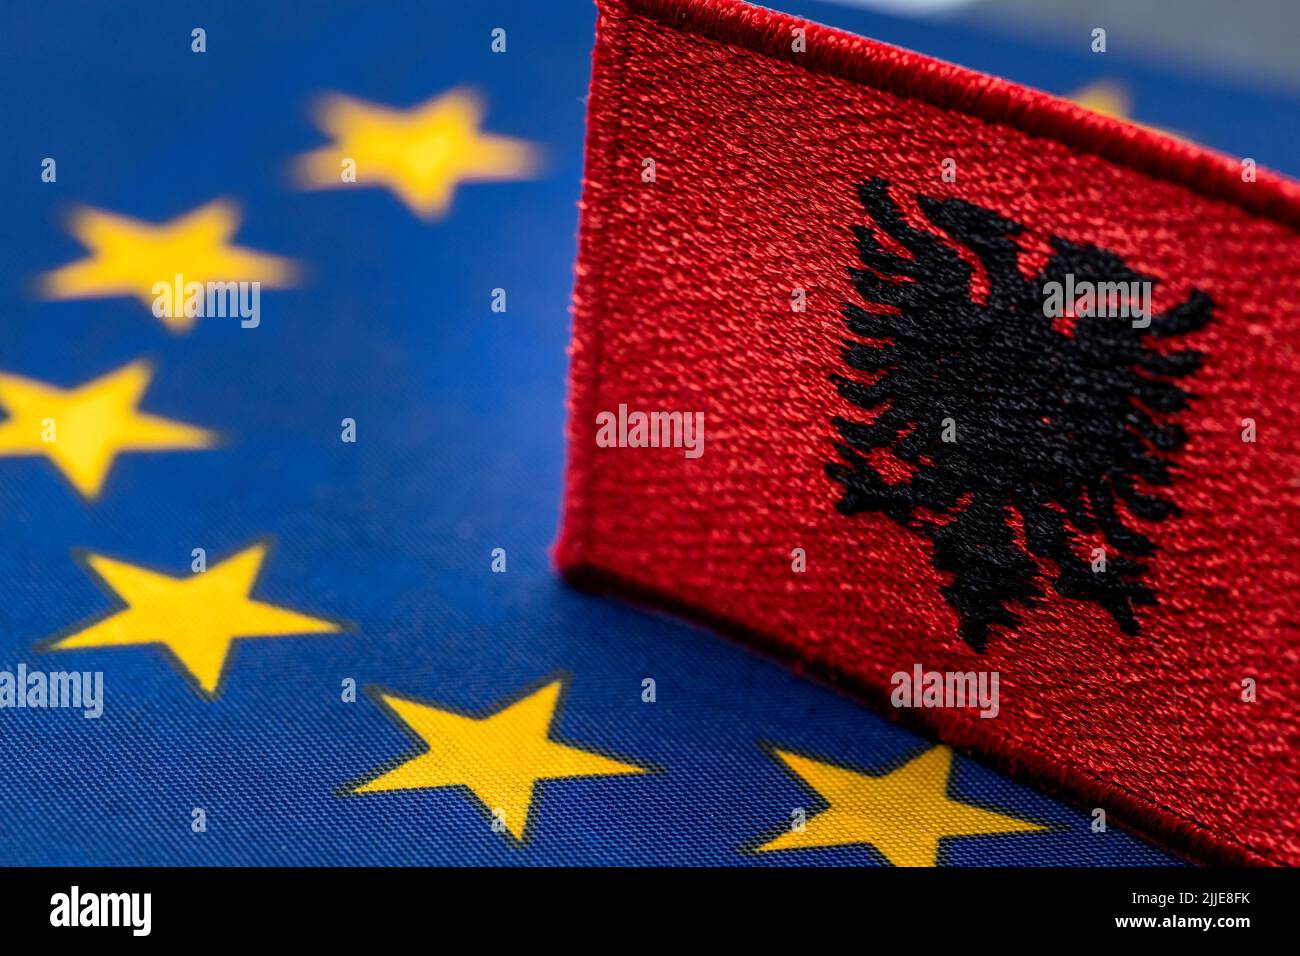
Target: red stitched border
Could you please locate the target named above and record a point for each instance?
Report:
(904, 73)
(907, 74)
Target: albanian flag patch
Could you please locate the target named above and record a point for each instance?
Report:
(898, 369)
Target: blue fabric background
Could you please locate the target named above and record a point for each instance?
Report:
(460, 415)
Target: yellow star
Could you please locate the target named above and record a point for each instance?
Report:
(196, 617)
(421, 154)
(903, 814)
(1107, 97)
(129, 256)
(500, 758)
(82, 430)
(1112, 98)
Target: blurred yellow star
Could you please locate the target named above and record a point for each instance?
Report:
(1107, 97)
(82, 430)
(421, 154)
(1112, 98)
(903, 814)
(195, 617)
(501, 758)
(129, 257)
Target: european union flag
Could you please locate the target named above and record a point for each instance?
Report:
(282, 401)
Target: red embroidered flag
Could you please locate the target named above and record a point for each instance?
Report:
(886, 365)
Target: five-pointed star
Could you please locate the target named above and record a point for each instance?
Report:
(903, 814)
(421, 154)
(81, 430)
(500, 758)
(128, 257)
(196, 617)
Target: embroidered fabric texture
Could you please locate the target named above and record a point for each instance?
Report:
(683, 304)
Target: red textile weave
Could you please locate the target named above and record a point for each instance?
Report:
(683, 304)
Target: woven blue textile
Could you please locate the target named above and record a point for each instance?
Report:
(459, 414)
